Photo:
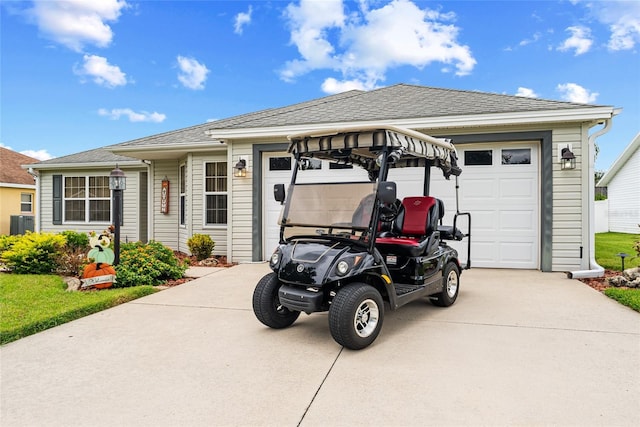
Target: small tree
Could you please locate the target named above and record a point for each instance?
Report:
(201, 246)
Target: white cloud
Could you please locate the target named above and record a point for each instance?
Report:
(103, 73)
(333, 86)
(241, 20)
(533, 39)
(192, 73)
(526, 92)
(580, 40)
(575, 93)
(364, 44)
(142, 116)
(76, 23)
(623, 20)
(36, 154)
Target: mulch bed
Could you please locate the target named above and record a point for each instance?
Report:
(215, 261)
(600, 283)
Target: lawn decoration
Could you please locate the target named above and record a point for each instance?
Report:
(99, 274)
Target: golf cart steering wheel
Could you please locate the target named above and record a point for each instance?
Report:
(389, 212)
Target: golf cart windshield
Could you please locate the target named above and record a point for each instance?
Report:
(332, 207)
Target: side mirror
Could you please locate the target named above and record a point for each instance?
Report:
(278, 193)
(387, 192)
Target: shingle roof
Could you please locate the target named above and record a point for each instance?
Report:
(11, 171)
(97, 155)
(399, 101)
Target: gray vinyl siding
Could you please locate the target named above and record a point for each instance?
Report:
(242, 206)
(195, 178)
(624, 197)
(570, 205)
(131, 213)
(166, 227)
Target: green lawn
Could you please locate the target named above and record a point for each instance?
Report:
(607, 246)
(610, 244)
(33, 303)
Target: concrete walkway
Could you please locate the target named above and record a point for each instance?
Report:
(517, 348)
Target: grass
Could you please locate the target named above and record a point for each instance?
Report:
(33, 303)
(610, 244)
(607, 246)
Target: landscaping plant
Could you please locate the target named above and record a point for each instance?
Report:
(201, 245)
(34, 253)
(147, 264)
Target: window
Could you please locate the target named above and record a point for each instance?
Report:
(309, 164)
(516, 156)
(478, 158)
(279, 163)
(26, 203)
(183, 194)
(87, 199)
(340, 166)
(215, 193)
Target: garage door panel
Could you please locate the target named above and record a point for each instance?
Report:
(513, 189)
(517, 220)
(478, 189)
(483, 221)
(516, 252)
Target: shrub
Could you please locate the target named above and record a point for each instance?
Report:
(75, 240)
(147, 264)
(201, 246)
(34, 253)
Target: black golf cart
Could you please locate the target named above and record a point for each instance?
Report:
(348, 247)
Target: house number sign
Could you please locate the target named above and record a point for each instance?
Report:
(164, 197)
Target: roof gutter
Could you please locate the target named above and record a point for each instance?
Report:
(595, 270)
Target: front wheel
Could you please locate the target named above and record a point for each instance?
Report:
(356, 315)
(450, 286)
(266, 304)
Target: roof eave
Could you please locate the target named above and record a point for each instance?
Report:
(620, 162)
(85, 165)
(588, 114)
(167, 151)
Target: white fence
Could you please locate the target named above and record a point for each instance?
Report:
(602, 216)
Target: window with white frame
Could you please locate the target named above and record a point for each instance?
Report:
(87, 199)
(26, 202)
(183, 194)
(215, 193)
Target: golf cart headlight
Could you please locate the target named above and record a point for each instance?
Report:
(275, 258)
(343, 267)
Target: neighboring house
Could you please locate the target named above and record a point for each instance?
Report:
(623, 188)
(527, 211)
(17, 190)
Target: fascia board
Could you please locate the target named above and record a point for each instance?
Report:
(85, 165)
(175, 147)
(538, 117)
(620, 162)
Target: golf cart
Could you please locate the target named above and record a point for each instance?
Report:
(349, 247)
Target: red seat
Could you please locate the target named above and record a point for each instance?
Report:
(414, 225)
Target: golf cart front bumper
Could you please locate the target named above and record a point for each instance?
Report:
(299, 299)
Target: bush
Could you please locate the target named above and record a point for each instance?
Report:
(34, 253)
(147, 264)
(76, 240)
(201, 246)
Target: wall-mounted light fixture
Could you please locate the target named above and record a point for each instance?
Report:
(567, 159)
(240, 169)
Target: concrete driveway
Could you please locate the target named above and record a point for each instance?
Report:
(517, 348)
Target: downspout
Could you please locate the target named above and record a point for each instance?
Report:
(595, 269)
(36, 202)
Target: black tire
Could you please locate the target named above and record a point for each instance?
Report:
(356, 315)
(266, 304)
(450, 286)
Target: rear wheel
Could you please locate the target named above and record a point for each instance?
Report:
(450, 286)
(356, 315)
(266, 304)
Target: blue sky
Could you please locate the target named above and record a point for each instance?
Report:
(81, 74)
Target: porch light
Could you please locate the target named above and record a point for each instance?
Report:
(567, 160)
(117, 179)
(117, 183)
(240, 169)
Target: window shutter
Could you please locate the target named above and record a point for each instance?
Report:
(57, 199)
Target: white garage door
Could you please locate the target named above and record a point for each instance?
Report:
(498, 185)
